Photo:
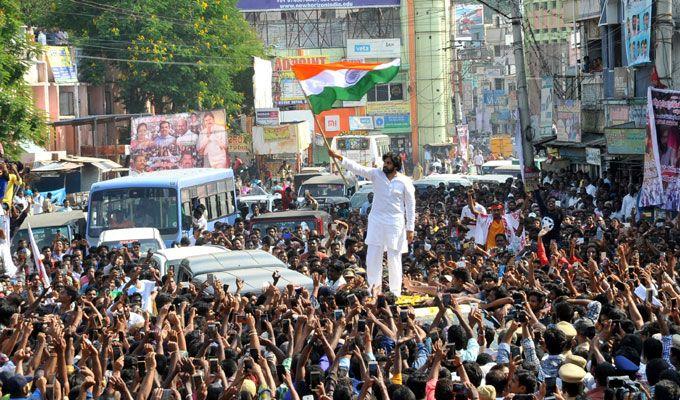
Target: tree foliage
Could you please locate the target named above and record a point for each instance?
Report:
(178, 55)
(19, 119)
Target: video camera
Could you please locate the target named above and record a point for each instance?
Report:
(625, 388)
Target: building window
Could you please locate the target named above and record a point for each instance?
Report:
(498, 83)
(66, 103)
(497, 51)
(108, 105)
(389, 92)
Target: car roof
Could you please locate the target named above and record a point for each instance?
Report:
(328, 179)
(52, 219)
(127, 234)
(178, 253)
(501, 178)
(497, 163)
(291, 214)
(226, 261)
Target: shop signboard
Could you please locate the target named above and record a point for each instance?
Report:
(625, 140)
(593, 156)
(360, 123)
(267, 116)
(374, 48)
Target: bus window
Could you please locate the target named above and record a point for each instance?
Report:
(186, 214)
(213, 212)
(134, 207)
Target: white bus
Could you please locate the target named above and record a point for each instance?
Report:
(367, 150)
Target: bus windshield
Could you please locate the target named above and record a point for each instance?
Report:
(324, 190)
(354, 143)
(134, 208)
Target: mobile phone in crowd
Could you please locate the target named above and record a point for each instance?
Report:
(373, 369)
(403, 316)
(338, 314)
(361, 326)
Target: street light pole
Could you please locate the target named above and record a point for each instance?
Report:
(522, 93)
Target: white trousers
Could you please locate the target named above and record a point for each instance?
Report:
(374, 268)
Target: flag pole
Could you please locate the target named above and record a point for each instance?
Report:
(325, 141)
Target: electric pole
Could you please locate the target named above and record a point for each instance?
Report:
(530, 177)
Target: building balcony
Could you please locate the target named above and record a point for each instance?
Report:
(592, 91)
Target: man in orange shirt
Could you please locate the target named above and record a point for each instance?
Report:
(488, 227)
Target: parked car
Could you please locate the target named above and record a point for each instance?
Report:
(148, 238)
(449, 180)
(254, 267)
(328, 186)
(514, 170)
(306, 174)
(489, 166)
(313, 220)
(266, 202)
(164, 259)
(359, 198)
(490, 178)
(46, 226)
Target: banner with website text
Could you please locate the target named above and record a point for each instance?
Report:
(661, 183)
(185, 140)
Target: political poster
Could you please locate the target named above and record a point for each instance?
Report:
(469, 21)
(569, 121)
(185, 140)
(279, 5)
(546, 107)
(463, 134)
(61, 64)
(637, 16)
(286, 89)
(661, 181)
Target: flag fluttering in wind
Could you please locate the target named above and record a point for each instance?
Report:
(39, 266)
(323, 84)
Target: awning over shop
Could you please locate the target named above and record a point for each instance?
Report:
(57, 166)
(74, 162)
(588, 140)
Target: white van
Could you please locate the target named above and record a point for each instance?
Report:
(148, 238)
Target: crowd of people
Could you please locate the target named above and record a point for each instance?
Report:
(566, 292)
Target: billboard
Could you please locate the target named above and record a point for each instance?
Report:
(469, 22)
(463, 141)
(569, 121)
(61, 64)
(278, 5)
(661, 181)
(373, 48)
(286, 88)
(546, 107)
(185, 140)
(637, 15)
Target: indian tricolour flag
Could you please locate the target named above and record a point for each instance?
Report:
(323, 84)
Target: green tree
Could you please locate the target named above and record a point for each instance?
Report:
(19, 119)
(178, 55)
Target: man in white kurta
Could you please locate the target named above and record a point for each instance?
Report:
(391, 221)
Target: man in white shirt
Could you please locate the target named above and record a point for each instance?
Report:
(468, 218)
(479, 161)
(628, 203)
(38, 203)
(388, 230)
